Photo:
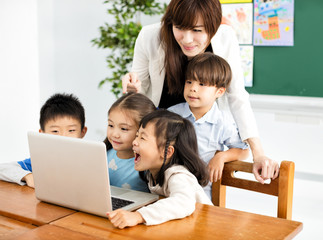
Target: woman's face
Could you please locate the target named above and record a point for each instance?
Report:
(192, 42)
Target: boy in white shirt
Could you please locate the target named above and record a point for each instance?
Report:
(207, 78)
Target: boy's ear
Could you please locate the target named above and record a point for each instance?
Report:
(84, 130)
(40, 130)
(219, 92)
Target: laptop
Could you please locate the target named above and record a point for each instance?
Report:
(73, 173)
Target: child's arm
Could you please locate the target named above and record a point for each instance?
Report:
(238, 150)
(29, 179)
(216, 164)
(183, 192)
(121, 218)
(13, 172)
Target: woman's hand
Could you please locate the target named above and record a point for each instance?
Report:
(263, 168)
(121, 218)
(131, 83)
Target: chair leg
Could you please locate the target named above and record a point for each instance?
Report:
(285, 190)
(218, 194)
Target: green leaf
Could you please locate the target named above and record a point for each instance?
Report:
(120, 36)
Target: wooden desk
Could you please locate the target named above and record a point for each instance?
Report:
(207, 222)
(19, 203)
(10, 228)
(50, 232)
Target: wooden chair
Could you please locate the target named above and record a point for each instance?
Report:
(282, 187)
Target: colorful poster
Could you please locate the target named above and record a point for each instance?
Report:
(235, 1)
(239, 17)
(246, 53)
(273, 23)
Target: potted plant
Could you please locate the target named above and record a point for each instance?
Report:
(120, 36)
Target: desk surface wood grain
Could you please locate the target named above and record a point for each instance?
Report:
(205, 223)
(50, 232)
(20, 203)
(10, 228)
(208, 222)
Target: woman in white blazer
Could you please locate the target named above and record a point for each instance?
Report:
(162, 51)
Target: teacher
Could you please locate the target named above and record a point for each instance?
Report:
(161, 55)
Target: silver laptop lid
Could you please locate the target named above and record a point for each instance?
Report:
(73, 172)
(70, 172)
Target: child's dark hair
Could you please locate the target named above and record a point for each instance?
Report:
(136, 105)
(210, 70)
(172, 129)
(62, 105)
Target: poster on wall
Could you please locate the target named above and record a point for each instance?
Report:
(239, 17)
(273, 23)
(246, 53)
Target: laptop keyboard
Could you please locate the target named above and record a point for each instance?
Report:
(119, 203)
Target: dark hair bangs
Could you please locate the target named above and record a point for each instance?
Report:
(160, 124)
(185, 15)
(182, 17)
(209, 69)
(203, 72)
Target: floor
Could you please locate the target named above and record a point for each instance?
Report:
(307, 205)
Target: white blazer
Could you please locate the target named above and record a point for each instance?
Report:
(148, 62)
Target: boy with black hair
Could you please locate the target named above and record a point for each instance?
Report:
(62, 114)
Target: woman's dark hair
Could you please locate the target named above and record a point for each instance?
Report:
(62, 105)
(135, 105)
(184, 14)
(172, 129)
(210, 70)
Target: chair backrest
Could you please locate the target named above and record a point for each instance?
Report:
(282, 187)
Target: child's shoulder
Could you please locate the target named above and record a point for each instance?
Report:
(177, 107)
(222, 115)
(111, 152)
(176, 169)
(178, 175)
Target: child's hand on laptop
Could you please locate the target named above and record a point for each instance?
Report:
(29, 179)
(121, 218)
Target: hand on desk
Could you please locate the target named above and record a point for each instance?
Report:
(121, 218)
(29, 179)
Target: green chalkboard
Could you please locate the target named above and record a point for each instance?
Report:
(297, 70)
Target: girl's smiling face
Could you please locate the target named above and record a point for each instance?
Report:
(121, 132)
(147, 154)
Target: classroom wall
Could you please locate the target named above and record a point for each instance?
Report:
(291, 128)
(19, 78)
(70, 62)
(45, 48)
